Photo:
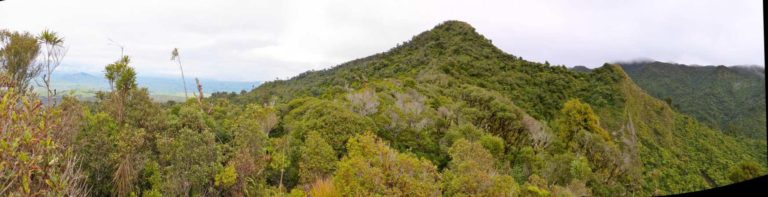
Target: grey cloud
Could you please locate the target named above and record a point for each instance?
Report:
(264, 40)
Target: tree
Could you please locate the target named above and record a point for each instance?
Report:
(494, 145)
(280, 158)
(226, 177)
(535, 186)
(580, 169)
(493, 113)
(122, 79)
(250, 146)
(248, 132)
(175, 56)
(190, 157)
(54, 54)
(189, 152)
(576, 117)
(120, 75)
(318, 160)
(18, 57)
(128, 159)
(98, 137)
(364, 102)
(327, 118)
(471, 172)
(153, 179)
(371, 168)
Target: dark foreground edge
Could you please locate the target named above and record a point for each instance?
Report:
(754, 187)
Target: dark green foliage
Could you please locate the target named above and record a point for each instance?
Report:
(97, 138)
(731, 99)
(318, 160)
(189, 154)
(334, 122)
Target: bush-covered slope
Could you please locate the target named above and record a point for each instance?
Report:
(731, 99)
(451, 83)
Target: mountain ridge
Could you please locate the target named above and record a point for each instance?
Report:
(731, 99)
(452, 69)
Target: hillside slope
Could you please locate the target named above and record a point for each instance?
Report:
(553, 130)
(731, 99)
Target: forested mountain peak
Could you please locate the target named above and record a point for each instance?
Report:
(451, 33)
(455, 25)
(451, 81)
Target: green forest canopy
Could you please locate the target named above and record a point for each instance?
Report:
(730, 99)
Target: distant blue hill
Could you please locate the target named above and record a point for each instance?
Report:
(84, 85)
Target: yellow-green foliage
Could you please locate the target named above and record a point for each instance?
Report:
(372, 168)
(318, 160)
(327, 118)
(33, 158)
(578, 117)
(324, 188)
(535, 186)
(296, 192)
(580, 169)
(121, 76)
(471, 172)
(226, 177)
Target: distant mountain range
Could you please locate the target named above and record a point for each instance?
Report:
(84, 85)
(731, 99)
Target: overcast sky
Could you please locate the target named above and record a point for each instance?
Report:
(249, 40)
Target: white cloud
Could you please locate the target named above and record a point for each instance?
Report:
(264, 40)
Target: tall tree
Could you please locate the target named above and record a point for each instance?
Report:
(54, 54)
(122, 79)
(175, 56)
(280, 158)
